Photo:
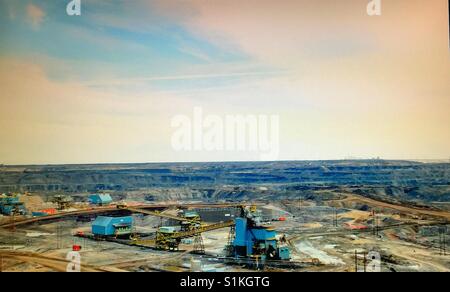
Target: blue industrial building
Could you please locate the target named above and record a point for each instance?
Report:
(112, 226)
(10, 204)
(100, 199)
(254, 240)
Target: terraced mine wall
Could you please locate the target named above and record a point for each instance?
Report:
(234, 180)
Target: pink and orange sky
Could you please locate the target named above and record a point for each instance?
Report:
(103, 86)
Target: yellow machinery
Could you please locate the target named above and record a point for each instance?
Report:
(165, 236)
(63, 202)
(169, 238)
(162, 215)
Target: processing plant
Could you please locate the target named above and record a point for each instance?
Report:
(252, 239)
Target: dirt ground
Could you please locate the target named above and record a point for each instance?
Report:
(317, 233)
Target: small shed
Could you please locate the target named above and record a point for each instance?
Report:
(112, 226)
(100, 199)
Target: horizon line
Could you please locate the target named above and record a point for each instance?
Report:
(436, 160)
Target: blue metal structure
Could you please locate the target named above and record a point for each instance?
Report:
(100, 199)
(284, 253)
(253, 240)
(39, 214)
(10, 204)
(112, 226)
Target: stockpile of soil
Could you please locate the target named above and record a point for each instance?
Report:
(35, 203)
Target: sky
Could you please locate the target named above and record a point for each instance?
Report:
(104, 87)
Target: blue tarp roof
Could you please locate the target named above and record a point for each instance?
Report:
(107, 221)
(100, 198)
(102, 221)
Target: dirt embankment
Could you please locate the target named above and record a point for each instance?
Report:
(400, 208)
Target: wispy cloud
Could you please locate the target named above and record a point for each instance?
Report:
(195, 53)
(185, 77)
(35, 15)
(122, 70)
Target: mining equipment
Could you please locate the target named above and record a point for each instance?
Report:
(121, 230)
(63, 202)
(166, 238)
(169, 237)
(192, 220)
(10, 205)
(252, 239)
